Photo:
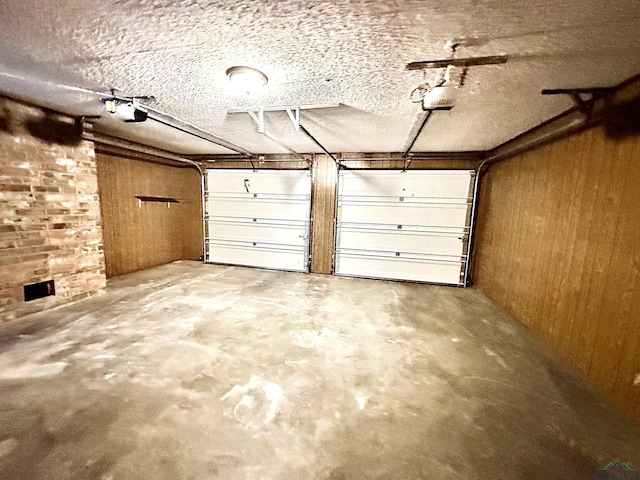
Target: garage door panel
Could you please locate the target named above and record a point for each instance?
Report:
(349, 199)
(260, 232)
(389, 184)
(411, 225)
(443, 184)
(263, 256)
(259, 208)
(258, 218)
(403, 213)
(400, 269)
(437, 244)
(261, 182)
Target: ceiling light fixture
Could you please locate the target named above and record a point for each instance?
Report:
(247, 79)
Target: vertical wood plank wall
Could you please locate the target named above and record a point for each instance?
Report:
(323, 213)
(142, 236)
(558, 246)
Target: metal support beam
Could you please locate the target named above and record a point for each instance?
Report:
(137, 147)
(415, 138)
(185, 127)
(174, 122)
(308, 134)
(472, 223)
(566, 123)
(286, 147)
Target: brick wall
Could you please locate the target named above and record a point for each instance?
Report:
(50, 225)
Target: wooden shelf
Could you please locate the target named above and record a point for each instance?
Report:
(144, 198)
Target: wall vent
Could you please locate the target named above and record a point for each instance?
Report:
(39, 290)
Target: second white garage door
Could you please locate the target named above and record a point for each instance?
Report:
(411, 225)
(258, 218)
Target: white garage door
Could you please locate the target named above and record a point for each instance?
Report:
(411, 225)
(258, 218)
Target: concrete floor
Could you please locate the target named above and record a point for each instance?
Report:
(192, 371)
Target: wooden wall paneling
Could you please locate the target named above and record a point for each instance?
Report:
(595, 260)
(627, 368)
(109, 183)
(617, 312)
(548, 207)
(579, 265)
(140, 235)
(564, 248)
(627, 343)
(558, 246)
(551, 258)
(323, 213)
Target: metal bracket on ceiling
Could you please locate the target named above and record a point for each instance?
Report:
(294, 116)
(585, 105)
(292, 113)
(407, 162)
(258, 117)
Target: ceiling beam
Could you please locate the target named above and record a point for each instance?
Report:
(458, 62)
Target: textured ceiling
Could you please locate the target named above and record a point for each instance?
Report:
(348, 55)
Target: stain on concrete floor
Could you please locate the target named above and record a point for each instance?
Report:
(192, 371)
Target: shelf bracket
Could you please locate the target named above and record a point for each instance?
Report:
(585, 105)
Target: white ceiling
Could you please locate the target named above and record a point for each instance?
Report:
(351, 54)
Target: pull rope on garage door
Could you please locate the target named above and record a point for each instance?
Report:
(258, 218)
(411, 225)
